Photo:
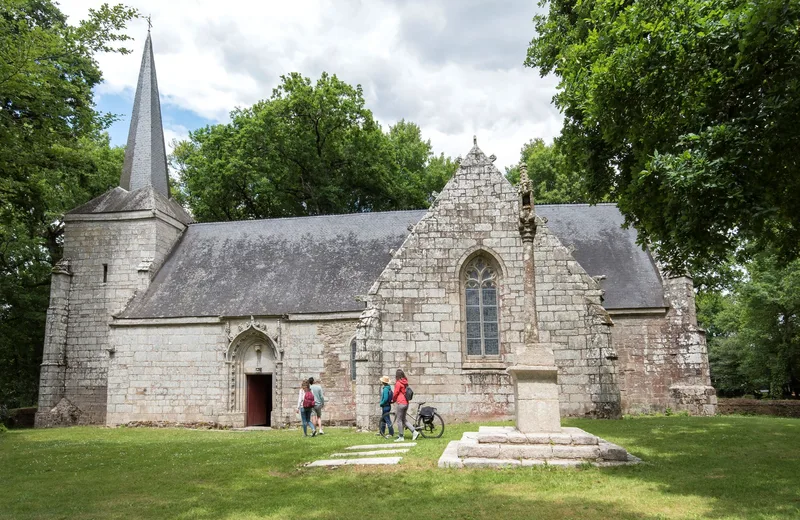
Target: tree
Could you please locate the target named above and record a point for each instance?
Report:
(53, 156)
(753, 330)
(308, 150)
(554, 182)
(418, 174)
(685, 113)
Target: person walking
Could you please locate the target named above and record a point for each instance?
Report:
(401, 407)
(319, 403)
(386, 406)
(305, 403)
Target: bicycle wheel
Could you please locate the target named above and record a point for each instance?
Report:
(391, 417)
(432, 429)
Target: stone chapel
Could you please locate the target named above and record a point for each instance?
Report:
(155, 318)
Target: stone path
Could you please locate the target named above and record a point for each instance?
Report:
(366, 455)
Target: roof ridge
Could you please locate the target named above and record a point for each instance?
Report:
(309, 217)
(576, 204)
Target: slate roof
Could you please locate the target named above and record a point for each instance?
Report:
(117, 200)
(145, 154)
(276, 266)
(603, 247)
(320, 264)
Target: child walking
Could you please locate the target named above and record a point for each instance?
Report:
(386, 406)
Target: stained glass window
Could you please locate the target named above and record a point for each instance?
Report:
(480, 287)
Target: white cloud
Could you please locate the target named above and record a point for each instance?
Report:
(452, 66)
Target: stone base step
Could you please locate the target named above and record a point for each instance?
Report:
(387, 446)
(514, 463)
(528, 451)
(368, 461)
(369, 453)
(570, 447)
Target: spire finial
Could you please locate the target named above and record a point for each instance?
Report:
(149, 23)
(475, 140)
(524, 187)
(523, 173)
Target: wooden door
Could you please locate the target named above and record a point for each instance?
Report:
(259, 399)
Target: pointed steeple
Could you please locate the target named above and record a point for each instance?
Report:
(146, 156)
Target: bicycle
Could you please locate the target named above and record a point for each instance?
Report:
(427, 422)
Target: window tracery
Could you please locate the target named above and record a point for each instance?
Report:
(480, 298)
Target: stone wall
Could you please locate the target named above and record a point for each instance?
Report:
(171, 373)
(109, 258)
(417, 301)
(646, 362)
(663, 361)
(190, 372)
(777, 408)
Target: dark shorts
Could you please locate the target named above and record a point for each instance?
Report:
(318, 410)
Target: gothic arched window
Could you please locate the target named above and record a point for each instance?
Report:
(353, 359)
(480, 298)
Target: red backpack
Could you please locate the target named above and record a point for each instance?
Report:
(308, 399)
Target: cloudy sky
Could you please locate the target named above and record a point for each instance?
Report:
(452, 66)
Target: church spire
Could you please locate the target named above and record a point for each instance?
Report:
(145, 155)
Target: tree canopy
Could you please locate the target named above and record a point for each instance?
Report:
(310, 149)
(54, 156)
(554, 182)
(753, 330)
(685, 113)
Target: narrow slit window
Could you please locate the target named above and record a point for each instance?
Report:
(353, 359)
(480, 297)
(105, 273)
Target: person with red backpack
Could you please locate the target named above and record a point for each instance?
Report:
(305, 403)
(401, 407)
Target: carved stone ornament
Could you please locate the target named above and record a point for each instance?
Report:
(62, 267)
(145, 265)
(246, 335)
(253, 324)
(527, 216)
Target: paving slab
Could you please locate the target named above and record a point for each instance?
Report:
(389, 446)
(368, 453)
(367, 461)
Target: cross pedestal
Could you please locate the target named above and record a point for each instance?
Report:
(535, 378)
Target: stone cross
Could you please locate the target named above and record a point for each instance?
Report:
(534, 374)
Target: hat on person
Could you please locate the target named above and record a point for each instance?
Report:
(385, 379)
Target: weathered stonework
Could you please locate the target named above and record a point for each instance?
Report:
(195, 372)
(104, 254)
(194, 369)
(419, 300)
(663, 360)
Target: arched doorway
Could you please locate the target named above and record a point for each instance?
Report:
(254, 377)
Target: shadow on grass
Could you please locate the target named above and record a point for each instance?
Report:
(723, 467)
(749, 466)
(351, 495)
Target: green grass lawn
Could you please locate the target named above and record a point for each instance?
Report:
(720, 467)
